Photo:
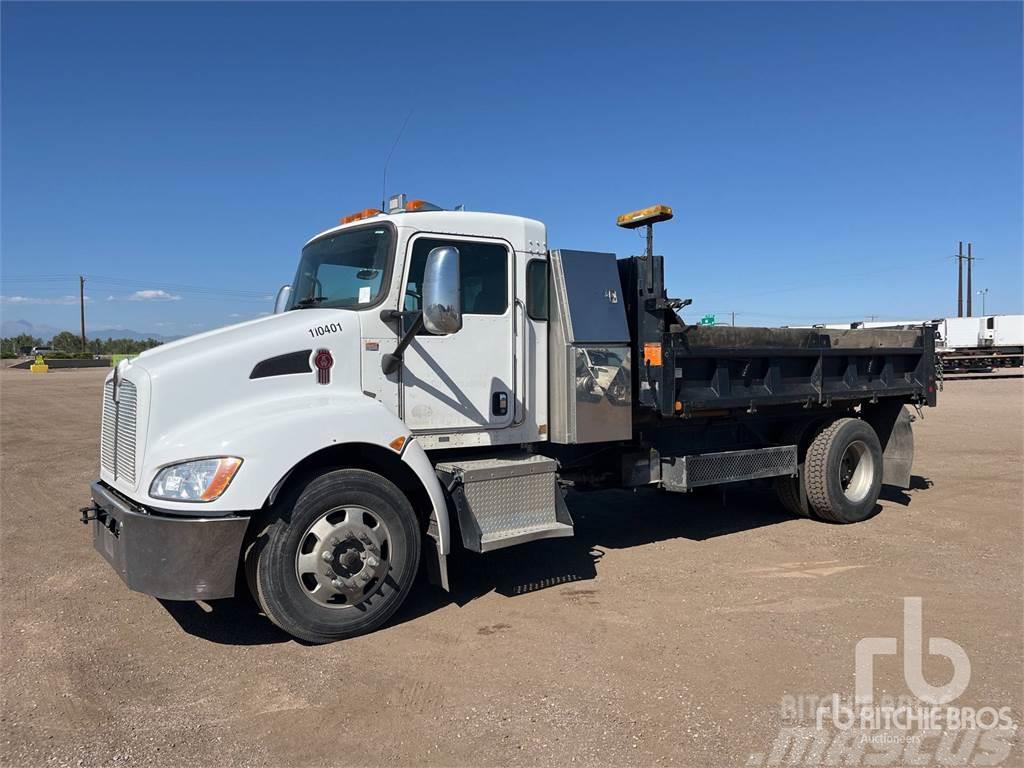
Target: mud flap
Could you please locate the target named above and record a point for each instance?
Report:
(891, 422)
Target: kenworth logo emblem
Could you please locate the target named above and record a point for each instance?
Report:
(323, 361)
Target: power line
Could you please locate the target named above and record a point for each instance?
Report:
(123, 282)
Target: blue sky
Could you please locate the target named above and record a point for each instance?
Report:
(823, 159)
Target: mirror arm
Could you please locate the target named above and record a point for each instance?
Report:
(389, 363)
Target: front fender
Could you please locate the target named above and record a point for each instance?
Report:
(273, 436)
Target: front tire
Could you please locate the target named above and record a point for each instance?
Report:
(843, 471)
(339, 557)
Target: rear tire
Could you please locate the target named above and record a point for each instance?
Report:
(338, 557)
(843, 471)
(790, 491)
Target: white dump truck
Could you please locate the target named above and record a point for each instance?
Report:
(436, 379)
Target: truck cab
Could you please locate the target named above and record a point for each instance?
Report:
(433, 379)
(375, 268)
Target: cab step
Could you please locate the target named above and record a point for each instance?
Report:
(507, 500)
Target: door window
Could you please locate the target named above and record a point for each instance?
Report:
(537, 289)
(484, 269)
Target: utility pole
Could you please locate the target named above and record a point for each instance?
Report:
(970, 259)
(960, 281)
(733, 319)
(81, 305)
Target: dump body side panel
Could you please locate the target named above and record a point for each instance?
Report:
(685, 369)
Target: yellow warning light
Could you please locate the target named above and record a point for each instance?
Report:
(651, 215)
(397, 444)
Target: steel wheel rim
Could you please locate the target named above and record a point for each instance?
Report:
(343, 557)
(856, 471)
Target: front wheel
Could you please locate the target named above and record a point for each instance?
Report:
(843, 471)
(338, 560)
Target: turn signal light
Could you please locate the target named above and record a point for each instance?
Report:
(226, 469)
(363, 214)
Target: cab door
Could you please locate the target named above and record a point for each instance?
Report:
(463, 382)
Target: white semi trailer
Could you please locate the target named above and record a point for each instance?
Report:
(434, 379)
(981, 343)
(963, 344)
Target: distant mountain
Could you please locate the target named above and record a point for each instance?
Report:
(125, 333)
(11, 328)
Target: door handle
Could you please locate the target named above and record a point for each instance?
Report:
(520, 365)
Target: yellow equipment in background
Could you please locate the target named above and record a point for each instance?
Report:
(39, 366)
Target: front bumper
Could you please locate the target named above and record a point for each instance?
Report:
(174, 558)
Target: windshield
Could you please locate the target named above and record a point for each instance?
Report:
(346, 269)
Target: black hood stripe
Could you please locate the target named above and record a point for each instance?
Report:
(282, 365)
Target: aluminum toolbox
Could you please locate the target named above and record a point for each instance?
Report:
(506, 501)
(589, 381)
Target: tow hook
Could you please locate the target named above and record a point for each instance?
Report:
(91, 513)
(100, 515)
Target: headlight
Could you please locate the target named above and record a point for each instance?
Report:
(199, 480)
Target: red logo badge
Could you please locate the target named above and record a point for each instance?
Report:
(323, 361)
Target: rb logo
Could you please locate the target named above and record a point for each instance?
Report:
(869, 647)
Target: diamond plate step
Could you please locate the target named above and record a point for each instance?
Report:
(682, 473)
(507, 500)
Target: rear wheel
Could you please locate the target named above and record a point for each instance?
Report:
(790, 490)
(843, 471)
(338, 558)
(791, 494)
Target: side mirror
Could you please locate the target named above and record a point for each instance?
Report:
(283, 294)
(442, 292)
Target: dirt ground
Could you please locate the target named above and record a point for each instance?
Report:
(669, 631)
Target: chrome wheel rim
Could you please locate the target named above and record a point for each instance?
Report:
(343, 557)
(856, 471)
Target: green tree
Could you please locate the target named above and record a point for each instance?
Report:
(10, 345)
(65, 341)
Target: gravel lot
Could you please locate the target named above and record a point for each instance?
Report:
(668, 631)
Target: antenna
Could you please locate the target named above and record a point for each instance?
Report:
(384, 185)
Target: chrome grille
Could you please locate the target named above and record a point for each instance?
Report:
(117, 434)
(107, 428)
(125, 436)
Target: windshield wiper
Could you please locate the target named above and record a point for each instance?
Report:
(312, 301)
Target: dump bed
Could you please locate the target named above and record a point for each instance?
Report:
(685, 369)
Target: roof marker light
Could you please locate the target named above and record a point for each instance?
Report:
(363, 214)
(421, 205)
